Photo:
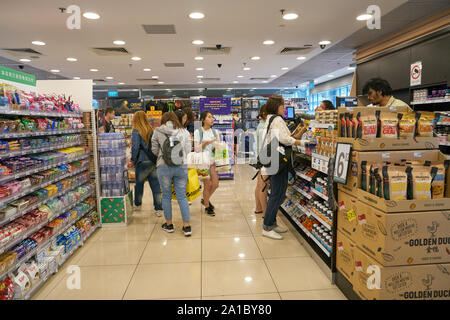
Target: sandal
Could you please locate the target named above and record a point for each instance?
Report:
(258, 212)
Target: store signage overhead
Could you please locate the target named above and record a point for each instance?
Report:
(17, 76)
(416, 74)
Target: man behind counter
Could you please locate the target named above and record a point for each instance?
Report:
(379, 92)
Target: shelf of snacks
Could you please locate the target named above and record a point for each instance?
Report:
(38, 133)
(320, 194)
(36, 113)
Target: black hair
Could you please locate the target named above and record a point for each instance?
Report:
(273, 103)
(109, 110)
(328, 105)
(262, 112)
(203, 115)
(180, 114)
(378, 84)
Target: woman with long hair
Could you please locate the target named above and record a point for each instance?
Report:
(145, 161)
(278, 177)
(182, 117)
(261, 185)
(203, 141)
(177, 175)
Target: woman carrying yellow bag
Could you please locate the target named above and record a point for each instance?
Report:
(193, 186)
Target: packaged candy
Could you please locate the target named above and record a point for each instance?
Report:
(425, 124)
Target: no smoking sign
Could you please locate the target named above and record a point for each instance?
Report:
(416, 74)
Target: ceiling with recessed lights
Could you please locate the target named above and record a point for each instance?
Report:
(251, 36)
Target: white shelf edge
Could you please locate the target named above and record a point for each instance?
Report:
(39, 150)
(324, 197)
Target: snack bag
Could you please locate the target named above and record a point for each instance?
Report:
(437, 172)
(365, 175)
(425, 124)
(388, 123)
(343, 124)
(369, 126)
(394, 183)
(407, 124)
(378, 182)
(372, 178)
(421, 183)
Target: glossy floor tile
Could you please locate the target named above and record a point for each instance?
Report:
(226, 258)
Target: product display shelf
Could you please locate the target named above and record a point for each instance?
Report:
(123, 127)
(320, 194)
(323, 222)
(301, 175)
(37, 285)
(35, 170)
(34, 229)
(33, 113)
(308, 196)
(31, 208)
(49, 240)
(319, 162)
(308, 235)
(38, 150)
(444, 100)
(38, 133)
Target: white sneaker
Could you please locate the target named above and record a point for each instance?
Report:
(157, 213)
(272, 234)
(280, 229)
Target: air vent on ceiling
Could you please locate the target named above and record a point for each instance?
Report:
(260, 79)
(211, 79)
(174, 65)
(214, 50)
(99, 80)
(159, 28)
(296, 50)
(21, 52)
(111, 51)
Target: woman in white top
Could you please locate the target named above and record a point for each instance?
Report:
(278, 180)
(203, 141)
(261, 185)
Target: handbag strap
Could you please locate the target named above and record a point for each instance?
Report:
(268, 127)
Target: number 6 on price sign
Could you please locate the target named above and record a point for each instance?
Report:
(343, 152)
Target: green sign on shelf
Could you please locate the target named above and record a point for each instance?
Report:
(17, 76)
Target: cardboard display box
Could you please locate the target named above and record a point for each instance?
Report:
(346, 215)
(345, 261)
(421, 282)
(354, 172)
(383, 144)
(396, 239)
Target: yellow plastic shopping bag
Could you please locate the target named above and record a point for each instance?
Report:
(192, 188)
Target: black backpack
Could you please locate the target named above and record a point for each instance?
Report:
(167, 150)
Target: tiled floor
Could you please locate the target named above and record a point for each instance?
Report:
(226, 257)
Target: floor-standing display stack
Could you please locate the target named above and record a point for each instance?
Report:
(310, 204)
(116, 198)
(47, 201)
(394, 211)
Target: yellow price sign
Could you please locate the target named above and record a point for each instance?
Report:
(351, 215)
(154, 114)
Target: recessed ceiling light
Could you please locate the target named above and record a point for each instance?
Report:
(155, 77)
(273, 76)
(237, 239)
(91, 15)
(94, 83)
(265, 81)
(200, 81)
(160, 82)
(93, 70)
(200, 77)
(301, 58)
(198, 58)
(76, 78)
(119, 42)
(147, 69)
(351, 68)
(38, 43)
(196, 15)
(240, 76)
(325, 42)
(169, 90)
(285, 68)
(72, 59)
(199, 69)
(268, 42)
(235, 81)
(246, 69)
(290, 16)
(330, 76)
(109, 78)
(241, 255)
(54, 70)
(256, 58)
(121, 83)
(253, 88)
(198, 42)
(229, 89)
(136, 58)
(364, 17)
(25, 60)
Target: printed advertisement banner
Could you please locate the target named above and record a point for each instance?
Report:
(218, 106)
(17, 76)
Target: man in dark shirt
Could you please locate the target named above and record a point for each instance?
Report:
(107, 126)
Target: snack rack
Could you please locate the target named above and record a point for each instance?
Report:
(52, 210)
(310, 204)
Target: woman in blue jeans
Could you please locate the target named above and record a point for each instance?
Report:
(145, 162)
(278, 180)
(172, 130)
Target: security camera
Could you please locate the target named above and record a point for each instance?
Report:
(322, 46)
(296, 87)
(219, 65)
(21, 67)
(218, 46)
